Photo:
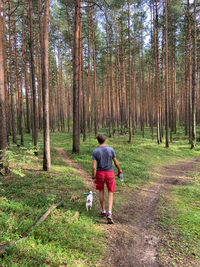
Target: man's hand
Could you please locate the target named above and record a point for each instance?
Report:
(119, 171)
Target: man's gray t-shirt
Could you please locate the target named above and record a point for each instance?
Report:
(104, 156)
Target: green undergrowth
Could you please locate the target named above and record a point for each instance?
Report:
(180, 217)
(69, 236)
(136, 158)
(138, 161)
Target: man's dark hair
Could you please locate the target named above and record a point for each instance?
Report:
(101, 138)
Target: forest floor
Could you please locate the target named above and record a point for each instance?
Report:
(136, 238)
(156, 210)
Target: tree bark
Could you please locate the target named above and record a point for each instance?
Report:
(130, 80)
(84, 110)
(45, 90)
(3, 132)
(76, 70)
(189, 72)
(123, 79)
(194, 78)
(32, 67)
(4, 32)
(11, 78)
(89, 119)
(95, 102)
(166, 77)
(156, 49)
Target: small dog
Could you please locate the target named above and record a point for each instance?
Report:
(89, 200)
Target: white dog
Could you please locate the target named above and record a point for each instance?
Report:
(89, 200)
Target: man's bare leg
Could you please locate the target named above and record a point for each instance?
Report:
(110, 204)
(101, 198)
(110, 201)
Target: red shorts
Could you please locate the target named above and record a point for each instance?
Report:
(107, 177)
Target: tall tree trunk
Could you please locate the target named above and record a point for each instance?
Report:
(11, 78)
(156, 49)
(61, 96)
(166, 77)
(95, 81)
(32, 63)
(130, 84)
(84, 115)
(45, 90)
(194, 78)
(28, 128)
(123, 79)
(4, 32)
(186, 75)
(21, 78)
(39, 86)
(89, 94)
(134, 76)
(41, 63)
(112, 101)
(16, 75)
(152, 75)
(68, 91)
(117, 74)
(162, 83)
(76, 70)
(3, 132)
(108, 81)
(140, 86)
(189, 71)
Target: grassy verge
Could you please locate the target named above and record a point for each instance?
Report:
(136, 159)
(68, 236)
(180, 217)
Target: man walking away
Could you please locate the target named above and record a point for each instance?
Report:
(103, 172)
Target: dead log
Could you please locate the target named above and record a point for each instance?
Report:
(41, 219)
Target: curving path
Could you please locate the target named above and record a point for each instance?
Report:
(133, 240)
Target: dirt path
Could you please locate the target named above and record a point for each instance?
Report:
(133, 240)
(77, 167)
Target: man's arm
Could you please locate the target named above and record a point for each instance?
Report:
(94, 168)
(117, 165)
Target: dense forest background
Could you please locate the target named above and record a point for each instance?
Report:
(80, 66)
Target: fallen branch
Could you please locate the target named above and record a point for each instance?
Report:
(46, 214)
(41, 219)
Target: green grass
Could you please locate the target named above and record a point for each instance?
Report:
(180, 217)
(70, 235)
(136, 159)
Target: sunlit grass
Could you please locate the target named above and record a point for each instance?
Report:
(136, 159)
(70, 235)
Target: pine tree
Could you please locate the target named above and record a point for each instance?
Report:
(3, 132)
